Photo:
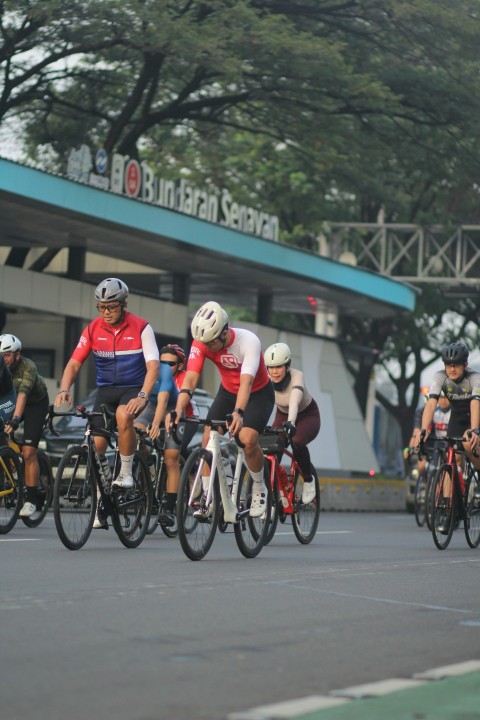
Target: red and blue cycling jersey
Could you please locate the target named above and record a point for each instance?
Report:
(120, 352)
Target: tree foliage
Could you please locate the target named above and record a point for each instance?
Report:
(322, 110)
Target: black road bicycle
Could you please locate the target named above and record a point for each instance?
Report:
(82, 481)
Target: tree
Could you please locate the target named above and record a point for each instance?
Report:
(410, 344)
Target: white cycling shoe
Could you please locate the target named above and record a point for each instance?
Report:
(259, 500)
(308, 492)
(123, 482)
(27, 510)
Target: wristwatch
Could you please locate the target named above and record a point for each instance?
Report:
(143, 395)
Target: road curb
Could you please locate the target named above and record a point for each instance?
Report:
(362, 494)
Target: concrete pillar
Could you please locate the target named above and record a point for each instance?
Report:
(264, 308)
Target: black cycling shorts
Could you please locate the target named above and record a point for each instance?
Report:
(112, 397)
(258, 410)
(33, 421)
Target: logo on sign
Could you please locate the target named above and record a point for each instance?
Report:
(132, 178)
(101, 159)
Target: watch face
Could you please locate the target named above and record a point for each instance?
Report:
(142, 394)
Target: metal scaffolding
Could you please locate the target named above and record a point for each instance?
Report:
(448, 256)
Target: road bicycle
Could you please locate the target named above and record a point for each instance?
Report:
(154, 452)
(12, 486)
(204, 487)
(435, 457)
(82, 480)
(287, 488)
(456, 497)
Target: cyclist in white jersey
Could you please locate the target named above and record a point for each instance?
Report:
(245, 391)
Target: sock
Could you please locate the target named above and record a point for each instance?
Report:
(171, 500)
(31, 494)
(308, 479)
(257, 477)
(127, 462)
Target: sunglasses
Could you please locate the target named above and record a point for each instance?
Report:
(172, 363)
(108, 308)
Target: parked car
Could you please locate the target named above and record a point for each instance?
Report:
(71, 429)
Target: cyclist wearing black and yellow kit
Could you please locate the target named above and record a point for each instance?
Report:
(31, 407)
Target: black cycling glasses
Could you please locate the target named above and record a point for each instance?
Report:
(172, 363)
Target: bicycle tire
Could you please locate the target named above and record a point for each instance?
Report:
(74, 497)
(157, 492)
(276, 511)
(171, 531)
(419, 501)
(250, 533)
(429, 498)
(472, 513)
(11, 489)
(44, 491)
(444, 508)
(131, 508)
(196, 536)
(305, 517)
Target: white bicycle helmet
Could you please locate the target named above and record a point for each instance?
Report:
(110, 290)
(9, 343)
(277, 354)
(209, 322)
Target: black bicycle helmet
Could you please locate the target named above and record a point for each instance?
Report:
(455, 353)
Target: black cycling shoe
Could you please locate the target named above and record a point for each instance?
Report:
(167, 518)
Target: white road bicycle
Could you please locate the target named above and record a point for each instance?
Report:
(204, 487)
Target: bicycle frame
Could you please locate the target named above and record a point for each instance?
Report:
(8, 474)
(229, 497)
(286, 491)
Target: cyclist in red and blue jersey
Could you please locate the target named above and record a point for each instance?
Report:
(246, 391)
(126, 359)
(162, 400)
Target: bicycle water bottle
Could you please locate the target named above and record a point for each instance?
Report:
(107, 471)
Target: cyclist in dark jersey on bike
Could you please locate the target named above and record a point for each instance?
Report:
(30, 408)
(462, 388)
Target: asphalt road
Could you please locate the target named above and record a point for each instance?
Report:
(146, 633)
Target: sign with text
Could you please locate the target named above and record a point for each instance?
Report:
(139, 181)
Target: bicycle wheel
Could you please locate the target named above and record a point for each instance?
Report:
(444, 511)
(131, 508)
(171, 531)
(430, 498)
(250, 533)
(472, 513)
(44, 491)
(158, 483)
(419, 500)
(275, 511)
(74, 497)
(11, 489)
(305, 517)
(196, 535)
